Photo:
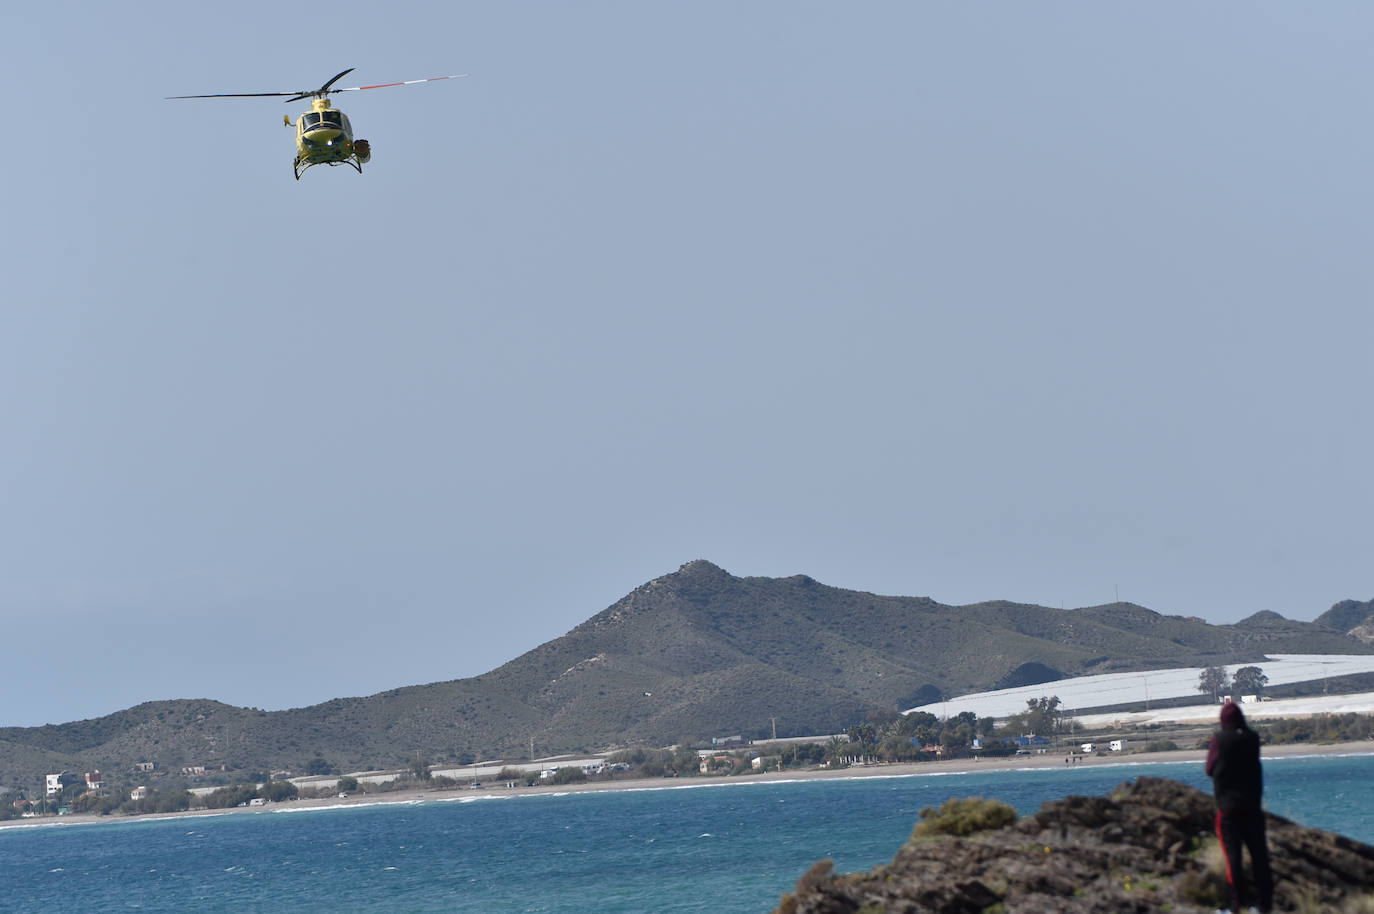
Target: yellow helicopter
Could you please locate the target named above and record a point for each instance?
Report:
(323, 134)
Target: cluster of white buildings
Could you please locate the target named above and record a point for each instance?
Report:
(56, 782)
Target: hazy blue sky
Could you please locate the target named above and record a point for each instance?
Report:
(972, 301)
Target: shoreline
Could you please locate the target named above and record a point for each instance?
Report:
(900, 769)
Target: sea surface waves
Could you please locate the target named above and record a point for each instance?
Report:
(733, 846)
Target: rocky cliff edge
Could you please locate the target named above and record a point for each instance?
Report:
(1148, 846)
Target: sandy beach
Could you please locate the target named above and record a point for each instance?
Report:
(952, 766)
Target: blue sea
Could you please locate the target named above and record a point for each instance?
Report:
(688, 847)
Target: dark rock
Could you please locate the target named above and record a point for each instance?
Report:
(1148, 846)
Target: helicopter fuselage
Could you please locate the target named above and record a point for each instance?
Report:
(324, 136)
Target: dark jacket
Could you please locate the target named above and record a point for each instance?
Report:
(1233, 763)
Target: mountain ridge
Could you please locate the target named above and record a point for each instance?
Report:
(684, 657)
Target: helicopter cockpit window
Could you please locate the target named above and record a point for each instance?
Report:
(310, 120)
(333, 119)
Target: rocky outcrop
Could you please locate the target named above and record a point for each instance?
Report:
(1146, 847)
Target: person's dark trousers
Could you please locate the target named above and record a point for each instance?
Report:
(1245, 827)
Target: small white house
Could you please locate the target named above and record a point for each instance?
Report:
(1087, 747)
(1118, 745)
(1249, 699)
(138, 793)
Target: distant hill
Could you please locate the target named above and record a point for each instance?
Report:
(1351, 617)
(687, 656)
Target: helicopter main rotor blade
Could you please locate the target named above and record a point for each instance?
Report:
(321, 92)
(324, 90)
(408, 82)
(233, 95)
(325, 87)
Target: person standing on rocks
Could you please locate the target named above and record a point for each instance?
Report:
(1233, 764)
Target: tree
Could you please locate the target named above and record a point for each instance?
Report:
(803, 754)
(957, 734)
(923, 725)
(1212, 681)
(227, 797)
(570, 775)
(173, 800)
(835, 750)
(276, 791)
(318, 766)
(1042, 715)
(862, 733)
(159, 801)
(881, 717)
(684, 761)
(1249, 680)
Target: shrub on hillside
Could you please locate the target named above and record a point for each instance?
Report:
(963, 816)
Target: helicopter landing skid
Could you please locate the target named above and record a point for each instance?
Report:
(300, 166)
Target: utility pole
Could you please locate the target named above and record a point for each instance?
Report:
(531, 748)
(775, 727)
